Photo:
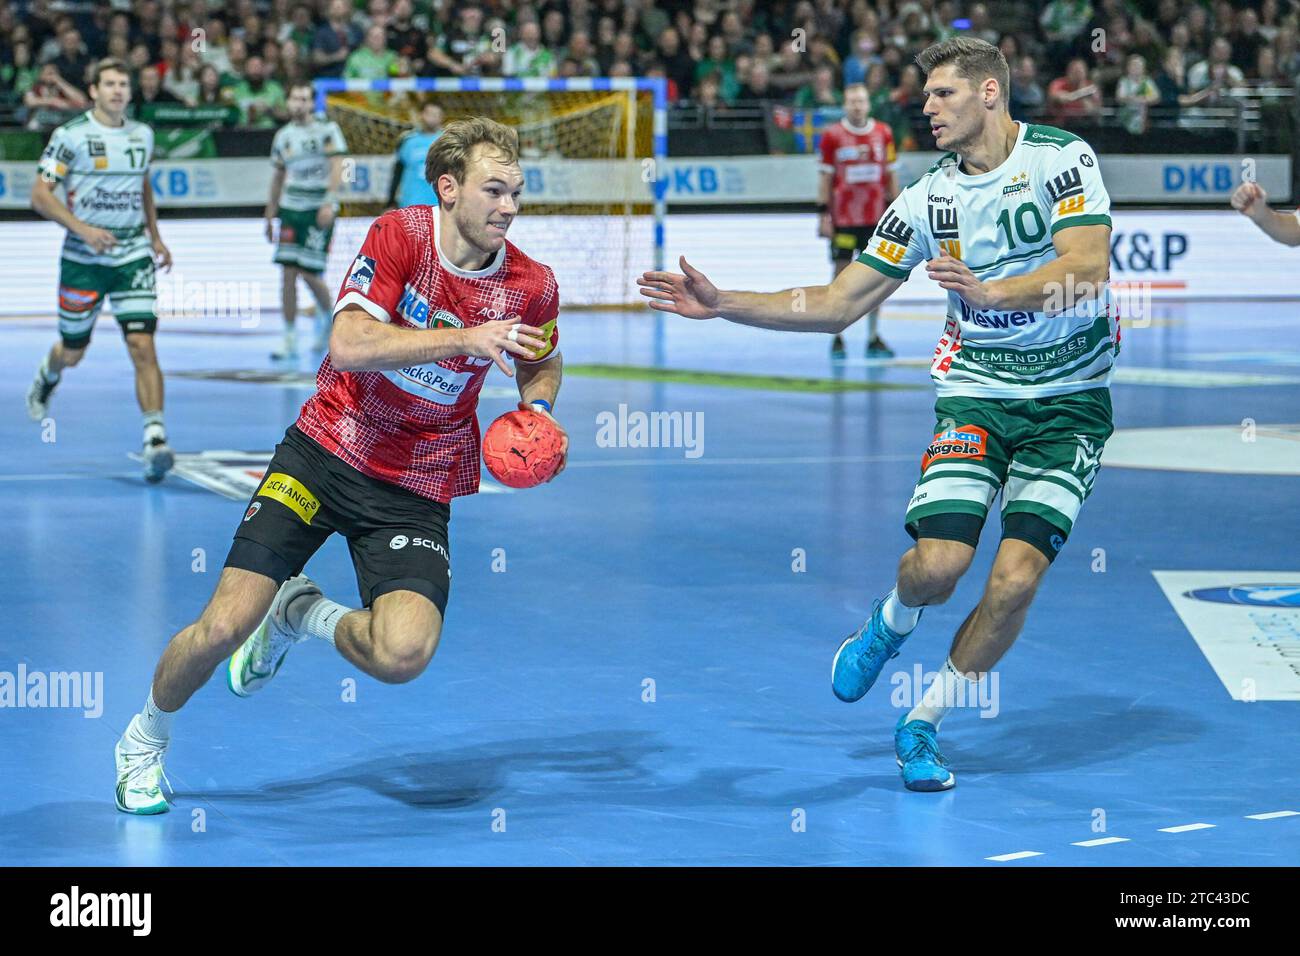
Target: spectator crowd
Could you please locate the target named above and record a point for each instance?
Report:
(1069, 58)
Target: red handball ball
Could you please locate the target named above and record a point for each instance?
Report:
(522, 449)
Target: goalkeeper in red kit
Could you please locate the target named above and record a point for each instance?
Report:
(435, 297)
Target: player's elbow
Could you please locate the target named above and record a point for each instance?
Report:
(345, 354)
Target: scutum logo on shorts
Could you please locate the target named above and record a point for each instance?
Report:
(399, 542)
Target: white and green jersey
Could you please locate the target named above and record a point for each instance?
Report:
(103, 170)
(1001, 223)
(303, 151)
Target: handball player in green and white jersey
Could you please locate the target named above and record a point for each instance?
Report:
(307, 154)
(102, 159)
(1014, 222)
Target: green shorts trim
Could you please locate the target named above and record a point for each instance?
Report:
(1042, 455)
(303, 243)
(84, 287)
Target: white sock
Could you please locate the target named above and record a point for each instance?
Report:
(46, 374)
(153, 723)
(322, 617)
(290, 339)
(950, 688)
(899, 618)
(873, 325)
(153, 427)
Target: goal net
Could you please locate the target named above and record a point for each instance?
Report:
(590, 149)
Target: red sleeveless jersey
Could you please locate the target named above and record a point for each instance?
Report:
(857, 159)
(416, 427)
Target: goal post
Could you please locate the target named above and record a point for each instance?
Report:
(592, 151)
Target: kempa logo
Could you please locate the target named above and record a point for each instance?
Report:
(653, 430)
(103, 909)
(74, 690)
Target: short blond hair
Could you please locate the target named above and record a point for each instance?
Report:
(451, 152)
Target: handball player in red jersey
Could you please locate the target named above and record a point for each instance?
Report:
(434, 299)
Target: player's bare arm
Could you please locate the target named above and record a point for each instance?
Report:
(161, 254)
(47, 204)
(329, 208)
(361, 343)
(1251, 201)
(541, 381)
(825, 228)
(273, 202)
(857, 290)
(1083, 264)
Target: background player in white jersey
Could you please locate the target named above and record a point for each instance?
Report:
(1251, 201)
(1014, 223)
(435, 297)
(307, 156)
(113, 245)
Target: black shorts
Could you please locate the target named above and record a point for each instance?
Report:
(397, 538)
(848, 241)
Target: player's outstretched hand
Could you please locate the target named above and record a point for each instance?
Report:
(101, 240)
(691, 295)
(491, 339)
(564, 447)
(1245, 196)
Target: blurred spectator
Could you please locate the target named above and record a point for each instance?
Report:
(717, 61)
(1135, 93)
(1247, 40)
(677, 63)
(151, 92)
(758, 87)
(52, 92)
(19, 72)
(72, 59)
(1063, 23)
(261, 100)
(979, 24)
(1073, 97)
(1216, 73)
(822, 91)
(372, 60)
(581, 52)
(334, 40)
(909, 100)
(1198, 29)
(528, 57)
(468, 43)
(1027, 96)
(864, 53)
(300, 28)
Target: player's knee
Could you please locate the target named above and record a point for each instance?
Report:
(141, 348)
(217, 635)
(941, 564)
(402, 657)
(71, 357)
(1012, 587)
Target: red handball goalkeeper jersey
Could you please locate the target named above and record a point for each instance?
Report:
(857, 157)
(416, 427)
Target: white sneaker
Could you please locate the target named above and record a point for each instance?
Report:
(158, 460)
(140, 775)
(38, 396)
(259, 658)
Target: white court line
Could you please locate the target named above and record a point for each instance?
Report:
(69, 477)
(809, 460)
(1005, 857)
(1188, 826)
(1101, 842)
(1274, 815)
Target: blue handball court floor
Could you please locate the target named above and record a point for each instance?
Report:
(635, 666)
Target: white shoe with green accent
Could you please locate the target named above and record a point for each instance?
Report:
(259, 658)
(140, 776)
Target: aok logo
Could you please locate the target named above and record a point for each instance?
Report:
(495, 314)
